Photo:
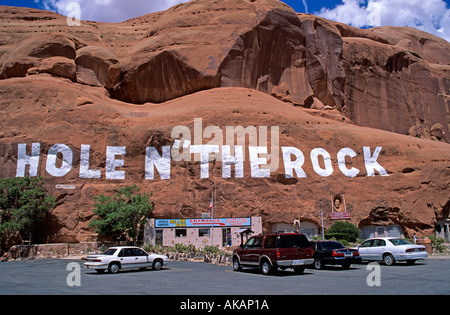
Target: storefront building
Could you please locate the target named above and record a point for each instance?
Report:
(226, 232)
(442, 229)
(310, 229)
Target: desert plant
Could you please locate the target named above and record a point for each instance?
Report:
(437, 243)
(181, 248)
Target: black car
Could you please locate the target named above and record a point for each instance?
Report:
(333, 253)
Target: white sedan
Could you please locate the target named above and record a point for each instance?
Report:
(390, 249)
(124, 257)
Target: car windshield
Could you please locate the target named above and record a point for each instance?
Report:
(296, 240)
(332, 245)
(110, 251)
(398, 241)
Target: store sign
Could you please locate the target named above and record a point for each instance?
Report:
(340, 216)
(219, 222)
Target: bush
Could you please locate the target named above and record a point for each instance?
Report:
(181, 248)
(343, 230)
(437, 243)
(211, 250)
(336, 236)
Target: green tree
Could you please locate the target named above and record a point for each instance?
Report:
(125, 212)
(343, 230)
(23, 204)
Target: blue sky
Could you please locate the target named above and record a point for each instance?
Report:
(297, 5)
(432, 16)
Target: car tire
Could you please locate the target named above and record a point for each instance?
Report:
(266, 268)
(157, 264)
(114, 267)
(346, 266)
(388, 259)
(318, 264)
(299, 270)
(236, 264)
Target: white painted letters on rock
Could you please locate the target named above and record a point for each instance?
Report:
(60, 159)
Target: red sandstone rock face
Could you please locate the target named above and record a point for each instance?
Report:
(390, 78)
(231, 63)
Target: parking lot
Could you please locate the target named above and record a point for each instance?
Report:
(52, 276)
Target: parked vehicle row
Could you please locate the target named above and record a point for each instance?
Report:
(293, 250)
(270, 252)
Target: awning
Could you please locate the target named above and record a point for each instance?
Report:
(244, 231)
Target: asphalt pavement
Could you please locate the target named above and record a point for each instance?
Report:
(182, 278)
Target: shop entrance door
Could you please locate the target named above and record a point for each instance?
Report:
(226, 237)
(159, 237)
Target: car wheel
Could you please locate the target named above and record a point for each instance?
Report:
(388, 259)
(266, 268)
(236, 265)
(299, 270)
(346, 266)
(318, 264)
(157, 264)
(114, 268)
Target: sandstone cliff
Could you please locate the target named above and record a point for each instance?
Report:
(231, 63)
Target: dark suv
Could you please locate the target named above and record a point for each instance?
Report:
(272, 251)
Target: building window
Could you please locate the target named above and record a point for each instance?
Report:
(180, 233)
(394, 231)
(203, 232)
(308, 232)
(381, 231)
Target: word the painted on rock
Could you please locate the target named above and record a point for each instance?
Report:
(60, 157)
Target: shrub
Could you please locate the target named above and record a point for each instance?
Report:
(211, 250)
(343, 230)
(181, 248)
(437, 243)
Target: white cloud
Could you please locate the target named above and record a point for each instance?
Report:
(110, 10)
(305, 4)
(431, 16)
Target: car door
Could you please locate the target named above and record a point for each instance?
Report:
(244, 255)
(127, 258)
(142, 259)
(255, 251)
(251, 251)
(364, 250)
(377, 249)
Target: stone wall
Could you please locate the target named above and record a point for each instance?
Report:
(59, 250)
(62, 250)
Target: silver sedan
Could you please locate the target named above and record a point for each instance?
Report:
(124, 257)
(390, 249)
